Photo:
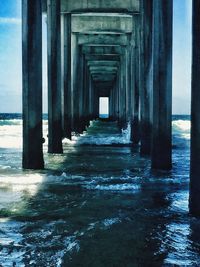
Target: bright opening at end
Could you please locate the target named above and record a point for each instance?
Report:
(103, 107)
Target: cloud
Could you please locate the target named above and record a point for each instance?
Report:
(8, 20)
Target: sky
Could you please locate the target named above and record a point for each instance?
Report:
(10, 57)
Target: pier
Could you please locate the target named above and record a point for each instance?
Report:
(116, 49)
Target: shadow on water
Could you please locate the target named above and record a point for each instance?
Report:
(99, 206)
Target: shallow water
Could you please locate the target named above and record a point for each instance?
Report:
(98, 205)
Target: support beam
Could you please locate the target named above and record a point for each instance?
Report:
(32, 84)
(194, 202)
(54, 76)
(162, 84)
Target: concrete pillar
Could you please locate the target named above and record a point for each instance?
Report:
(75, 73)
(54, 77)
(128, 87)
(67, 77)
(85, 95)
(135, 74)
(91, 98)
(117, 88)
(162, 84)
(96, 104)
(32, 84)
(81, 93)
(122, 92)
(111, 104)
(194, 202)
(145, 70)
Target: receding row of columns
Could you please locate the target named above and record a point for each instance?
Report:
(141, 92)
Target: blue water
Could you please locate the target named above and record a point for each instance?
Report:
(98, 205)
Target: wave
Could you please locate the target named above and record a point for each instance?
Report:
(11, 133)
(181, 125)
(181, 128)
(96, 135)
(11, 122)
(114, 187)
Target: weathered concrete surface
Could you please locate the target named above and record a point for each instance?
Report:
(135, 82)
(71, 5)
(88, 22)
(103, 63)
(162, 84)
(146, 75)
(54, 77)
(100, 38)
(32, 84)
(103, 49)
(194, 202)
(67, 77)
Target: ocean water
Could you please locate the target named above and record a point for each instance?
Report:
(98, 204)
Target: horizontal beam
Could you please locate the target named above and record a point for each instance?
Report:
(113, 50)
(103, 73)
(99, 22)
(104, 69)
(100, 5)
(103, 63)
(112, 57)
(103, 39)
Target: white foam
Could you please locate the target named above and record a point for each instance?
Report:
(115, 187)
(182, 128)
(109, 222)
(11, 133)
(101, 138)
(182, 125)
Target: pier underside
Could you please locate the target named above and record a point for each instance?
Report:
(116, 49)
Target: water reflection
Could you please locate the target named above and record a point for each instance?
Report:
(98, 206)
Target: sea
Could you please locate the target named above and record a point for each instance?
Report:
(98, 204)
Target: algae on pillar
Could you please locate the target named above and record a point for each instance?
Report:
(54, 76)
(194, 202)
(32, 84)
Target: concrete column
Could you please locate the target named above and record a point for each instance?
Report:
(75, 74)
(162, 84)
(85, 95)
(32, 84)
(122, 92)
(145, 70)
(81, 93)
(111, 105)
(54, 77)
(96, 104)
(117, 95)
(87, 100)
(128, 87)
(67, 77)
(194, 202)
(114, 90)
(91, 98)
(135, 74)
